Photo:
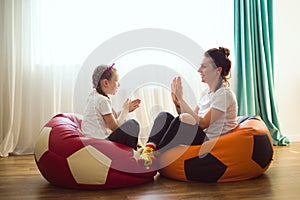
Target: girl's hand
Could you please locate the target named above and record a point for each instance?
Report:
(126, 105)
(134, 104)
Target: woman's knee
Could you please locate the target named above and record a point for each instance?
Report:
(187, 118)
(165, 115)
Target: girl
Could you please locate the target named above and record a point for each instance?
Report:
(214, 115)
(100, 120)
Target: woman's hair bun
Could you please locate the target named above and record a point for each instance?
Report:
(225, 51)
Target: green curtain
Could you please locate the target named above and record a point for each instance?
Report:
(253, 37)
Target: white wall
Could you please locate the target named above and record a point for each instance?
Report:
(189, 19)
(287, 65)
(207, 23)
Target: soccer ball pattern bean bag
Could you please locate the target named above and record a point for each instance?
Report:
(67, 158)
(244, 153)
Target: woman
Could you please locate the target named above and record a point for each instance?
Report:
(214, 115)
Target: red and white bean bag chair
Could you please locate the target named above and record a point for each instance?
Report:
(67, 158)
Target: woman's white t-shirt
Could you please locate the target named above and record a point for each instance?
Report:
(93, 124)
(224, 100)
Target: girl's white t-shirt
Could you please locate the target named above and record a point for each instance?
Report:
(93, 124)
(224, 100)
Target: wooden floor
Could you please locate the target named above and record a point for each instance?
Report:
(20, 179)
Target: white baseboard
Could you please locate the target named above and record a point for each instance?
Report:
(294, 137)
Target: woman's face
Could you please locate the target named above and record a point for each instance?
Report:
(113, 84)
(208, 72)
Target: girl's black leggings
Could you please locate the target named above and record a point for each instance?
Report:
(127, 133)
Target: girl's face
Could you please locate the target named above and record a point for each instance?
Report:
(113, 84)
(208, 72)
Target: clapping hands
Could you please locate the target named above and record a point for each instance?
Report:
(131, 105)
(177, 91)
(134, 104)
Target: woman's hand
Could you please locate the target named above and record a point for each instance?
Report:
(175, 100)
(183, 107)
(177, 91)
(134, 104)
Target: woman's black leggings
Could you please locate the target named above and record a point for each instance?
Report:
(168, 132)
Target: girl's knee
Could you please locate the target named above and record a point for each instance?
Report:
(133, 123)
(187, 118)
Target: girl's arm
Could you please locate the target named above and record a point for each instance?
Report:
(134, 104)
(113, 122)
(110, 121)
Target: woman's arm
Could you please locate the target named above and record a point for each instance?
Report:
(178, 96)
(185, 108)
(176, 103)
(196, 110)
(211, 116)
